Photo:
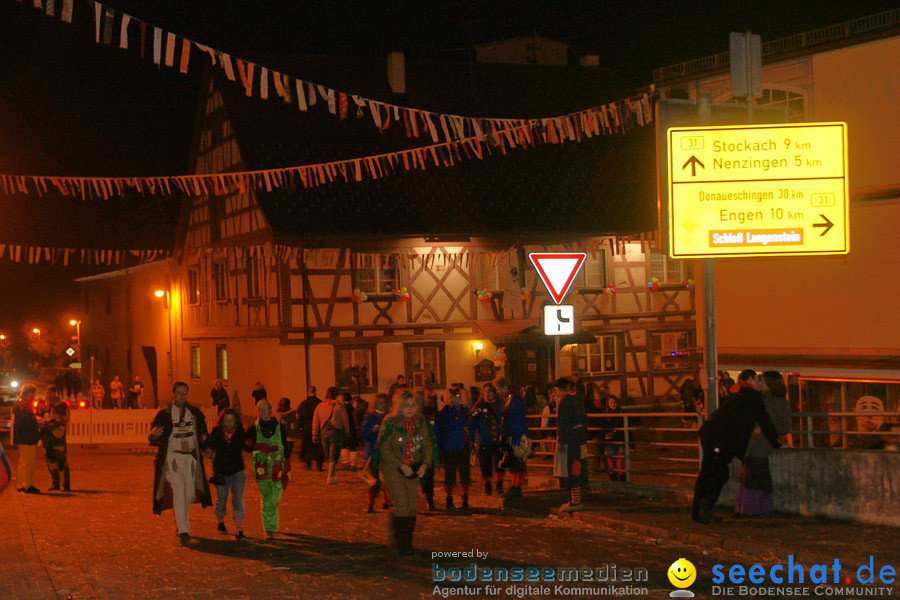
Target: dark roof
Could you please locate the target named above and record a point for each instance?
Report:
(606, 184)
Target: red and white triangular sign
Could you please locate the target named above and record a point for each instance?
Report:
(557, 270)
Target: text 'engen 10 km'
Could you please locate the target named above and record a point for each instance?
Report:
(758, 190)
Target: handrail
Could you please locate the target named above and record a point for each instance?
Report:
(631, 448)
(792, 43)
(636, 426)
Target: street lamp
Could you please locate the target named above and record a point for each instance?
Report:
(36, 331)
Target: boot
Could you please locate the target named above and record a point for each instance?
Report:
(396, 529)
(500, 487)
(514, 492)
(487, 488)
(450, 505)
(704, 512)
(429, 498)
(408, 534)
(403, 532)
(465, 502)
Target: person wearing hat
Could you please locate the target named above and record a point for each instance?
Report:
(571, 435)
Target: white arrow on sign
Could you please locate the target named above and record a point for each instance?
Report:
(557, 270)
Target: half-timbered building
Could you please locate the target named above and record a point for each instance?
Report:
(423, 272)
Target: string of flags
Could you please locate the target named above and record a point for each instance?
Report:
(265, 83)
(33, 255)
(452, 136)
(323, 258)
(373, 167)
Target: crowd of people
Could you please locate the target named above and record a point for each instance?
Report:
(404, 436)
(118, 395)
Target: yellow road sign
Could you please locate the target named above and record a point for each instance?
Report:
(758, 190)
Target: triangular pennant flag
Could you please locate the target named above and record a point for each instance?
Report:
(123, 33)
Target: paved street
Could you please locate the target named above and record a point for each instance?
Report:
(103, 542)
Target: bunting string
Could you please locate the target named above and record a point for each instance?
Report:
(257, 81)
(33, 255)
(322, 258)
(442, 154)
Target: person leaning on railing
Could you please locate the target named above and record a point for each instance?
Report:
(571, 434)
(755, 490)
(724, 436)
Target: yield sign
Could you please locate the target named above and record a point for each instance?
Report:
(557, 270)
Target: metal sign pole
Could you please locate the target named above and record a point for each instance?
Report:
(704, 110)
(556, 358)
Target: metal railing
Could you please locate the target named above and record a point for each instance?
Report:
(662, 451)
(810, 434)
(668, 448)
(792, 43)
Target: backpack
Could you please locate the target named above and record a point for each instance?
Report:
(334, 421)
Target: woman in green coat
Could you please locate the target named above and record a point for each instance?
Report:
(405, 452)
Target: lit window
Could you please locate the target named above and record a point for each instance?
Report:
(355, 369)
(672, 350)
(793, 100)
(666, 269)
(220, 281)
(597, 358)
(593, 272)
(377, 273)
(488, 272)
(222, 362)
(252, 277)
(193, 286)
(195, 361)
(425, 365)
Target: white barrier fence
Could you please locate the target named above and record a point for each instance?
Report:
(118, 426)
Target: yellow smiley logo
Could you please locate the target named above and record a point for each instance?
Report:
(682, 573)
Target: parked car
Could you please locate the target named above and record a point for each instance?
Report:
(6, 404)
(10, 383)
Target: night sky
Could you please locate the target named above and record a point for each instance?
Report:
(71, 107)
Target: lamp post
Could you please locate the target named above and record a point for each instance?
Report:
(164, 293)
(76, 323)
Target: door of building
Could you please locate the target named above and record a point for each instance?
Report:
(528, 364)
